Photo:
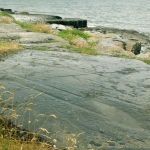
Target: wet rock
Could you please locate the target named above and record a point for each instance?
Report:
(122, 143)
(26, 17)
(24, 13)
(112, 143)
(76, 23)
(6, 10)
(94, 143)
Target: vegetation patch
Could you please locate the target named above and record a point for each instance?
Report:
(79, 41)
(41, 48)
(7, 48)
(125, 56)
(72, 34)
(38, 27)
(89, 51)
(15, 137)
(147, 61)
(6, 20)
(5, 14)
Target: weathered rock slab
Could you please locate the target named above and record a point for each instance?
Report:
(107, 98)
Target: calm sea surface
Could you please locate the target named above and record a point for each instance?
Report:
(124, 14)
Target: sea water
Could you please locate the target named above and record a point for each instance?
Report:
(122, 14)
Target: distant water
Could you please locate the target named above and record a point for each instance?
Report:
(123, 14)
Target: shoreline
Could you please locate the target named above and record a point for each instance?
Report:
(25, 71)
(60, 17)
(128, 42)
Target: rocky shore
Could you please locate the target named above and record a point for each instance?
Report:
(109, 41)
(25, 16)
(105, 97)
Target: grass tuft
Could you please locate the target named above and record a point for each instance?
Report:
(147, 61)
(38, 27)
(41, 48)
(6, 20)
(71, 34)
(89, 51)
(13, 136)
(80, 40)
(5, 14)
(8, 48)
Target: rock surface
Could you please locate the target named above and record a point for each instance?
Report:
(121, 40)
(107, 98)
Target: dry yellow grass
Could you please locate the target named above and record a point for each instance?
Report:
(6, 20)
(12, 137)
(6, 144)
(144, 56)
(79, 42)
(38, 27)
(7, 48)
(42, 27)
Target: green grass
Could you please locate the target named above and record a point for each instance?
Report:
(26, 25)
(5, 14)
(8, 48)
(71, 34)
(93, 44)
(89, 51)
(125, 56)
(31, 27)
(147, 61)
(41, 48)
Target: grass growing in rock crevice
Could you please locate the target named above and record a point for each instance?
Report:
(147, 61)
(7, 48)
(13, 118)
(71, 34)
(6, 18)
(5, 14)
(41, 48)
(38, 27)
(88, 51)
(79, 41)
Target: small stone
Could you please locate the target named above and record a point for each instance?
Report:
(89, 146)
(54, 146)
(58, 27)
(61, 27)
(54, 26)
